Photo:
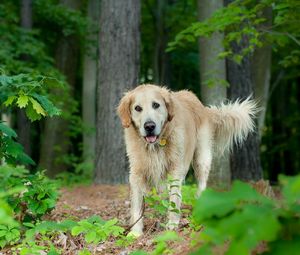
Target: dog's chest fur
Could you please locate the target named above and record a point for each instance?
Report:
(156, 165)
(151, 163)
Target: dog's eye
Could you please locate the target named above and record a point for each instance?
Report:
(155, 105)
(138, 108)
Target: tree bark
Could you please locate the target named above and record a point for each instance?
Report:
(23, 124)
(89, 83)
(245, 159)
(119, 60)
(213, 68)
(161, 58)
(56, 141)
(261, 70)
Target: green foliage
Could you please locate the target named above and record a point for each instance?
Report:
(244, 19)
(189, 194)
(162, 244)
(159, 203)
(25, 91)
(9, 234)
(28, 92)
(96, 230)
(82, 174)
(246, 218)
(71, 22)
(238, 19)
(37, 194)
(11, 151)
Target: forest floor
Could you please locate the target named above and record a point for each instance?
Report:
(109, 202)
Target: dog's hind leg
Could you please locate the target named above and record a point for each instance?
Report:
(203, 156)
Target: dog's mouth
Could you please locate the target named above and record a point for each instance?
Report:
(151, 138)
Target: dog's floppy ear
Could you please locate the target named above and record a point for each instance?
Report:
(124, 110)
(167, 95)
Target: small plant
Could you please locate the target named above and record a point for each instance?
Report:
(96, 230)
(9, 234)
(160, 203)
(37, 196)
(162, 242)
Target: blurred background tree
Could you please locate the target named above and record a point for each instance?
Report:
(258, 41)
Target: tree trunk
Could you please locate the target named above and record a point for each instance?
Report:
(119, 68)
(261, 70)
(56, 142)
(23, 123)
(89, 83)
(245, 159)
(161, 58)
(213, 68)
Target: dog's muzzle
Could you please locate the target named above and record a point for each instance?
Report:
(149, 127)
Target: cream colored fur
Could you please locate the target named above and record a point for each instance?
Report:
(192, 132)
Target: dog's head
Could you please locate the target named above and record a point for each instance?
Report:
(148, 108)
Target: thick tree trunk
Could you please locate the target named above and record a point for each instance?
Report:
(23, 123)
(89, 83)
(213, 68)
(119, 68)
(161, 58)
(261, 70)
(55, 142)
(245, 159)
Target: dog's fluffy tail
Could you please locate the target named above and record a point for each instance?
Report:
(233, 122)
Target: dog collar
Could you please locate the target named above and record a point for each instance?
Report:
(162, 142)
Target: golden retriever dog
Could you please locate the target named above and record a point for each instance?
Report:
(167, 131)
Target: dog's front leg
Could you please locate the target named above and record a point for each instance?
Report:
(175, 202)
(136, 209)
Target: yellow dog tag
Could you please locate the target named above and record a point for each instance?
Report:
(162, 142)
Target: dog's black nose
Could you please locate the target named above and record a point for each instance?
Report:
(149, 126)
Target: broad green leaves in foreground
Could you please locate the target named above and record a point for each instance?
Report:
(244, 218)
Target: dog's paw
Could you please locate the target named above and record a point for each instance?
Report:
(134, 234)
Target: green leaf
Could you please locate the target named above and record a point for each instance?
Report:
(9, 100)
(77, 230)
(167, 236)
(23, 158)
(22, 101)
(3, 233)
(90, 236)
(31, 113)
(291, 188)
(7, 130)
(14, 149)
(213, 203)
(284, 247)
(37, 107)
(111, 222)
(84, 252)
(47, 105)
